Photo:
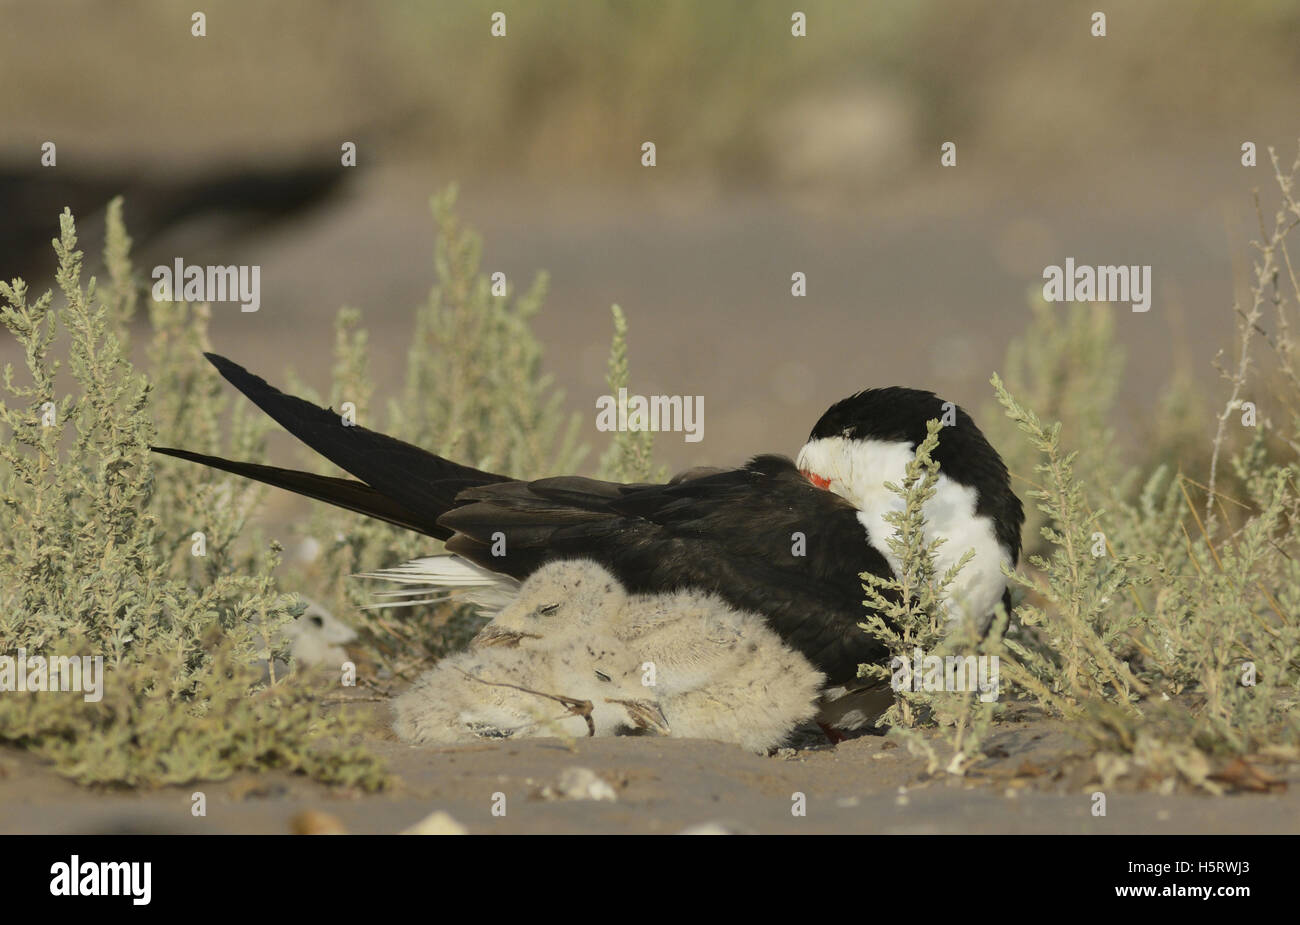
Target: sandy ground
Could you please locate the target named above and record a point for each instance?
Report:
(1034, 782)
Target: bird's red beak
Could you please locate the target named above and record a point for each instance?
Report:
(815, 479)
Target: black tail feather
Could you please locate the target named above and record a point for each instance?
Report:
(419, 483)
(345, 493)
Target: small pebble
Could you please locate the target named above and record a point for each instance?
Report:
(580, 784)
(712, 828)
(315, 822)
(437, 823)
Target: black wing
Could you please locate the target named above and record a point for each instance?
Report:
(761, 537)
(345, 493)
(403, 484)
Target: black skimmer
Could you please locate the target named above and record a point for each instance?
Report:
(783, 538)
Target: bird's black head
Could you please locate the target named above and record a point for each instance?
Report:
(898, 416)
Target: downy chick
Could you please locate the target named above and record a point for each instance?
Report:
(553, 640)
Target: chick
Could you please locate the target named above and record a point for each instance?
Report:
(719, 673)
(558, 604)
(755, 703)
(317, 637)
(685, 639)
(574, 648)
(552, 639)
(494, 693)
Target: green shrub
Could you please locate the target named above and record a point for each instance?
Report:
(909, 612)
(96, 546)
(1158, 611)
(94, 556)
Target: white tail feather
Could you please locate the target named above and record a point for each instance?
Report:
(410, 602)
(487, 590)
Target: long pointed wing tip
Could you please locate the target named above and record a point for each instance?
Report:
(240, 377)
(221, 363)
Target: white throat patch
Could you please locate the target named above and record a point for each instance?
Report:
(858, 470)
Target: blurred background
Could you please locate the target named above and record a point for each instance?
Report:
(775, 155)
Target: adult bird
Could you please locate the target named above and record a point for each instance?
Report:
(784, 538)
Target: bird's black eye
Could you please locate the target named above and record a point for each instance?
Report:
(317, 620)
(602, 675)
(549, 608)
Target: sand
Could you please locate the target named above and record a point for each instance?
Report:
(1035, 780)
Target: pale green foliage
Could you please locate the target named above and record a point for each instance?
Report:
(94, 557)
(911, 609)
(96, 553)
(96, 550)
(1163, 636)
(910, 612)
(1146, 645)
(475, 390)
(164, 720)
(630, 458)
(1067, 367)
(1082, 620)
(1166, 635)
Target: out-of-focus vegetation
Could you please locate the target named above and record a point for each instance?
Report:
(575, 86)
